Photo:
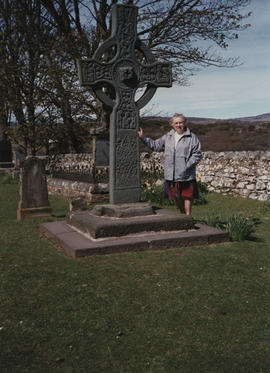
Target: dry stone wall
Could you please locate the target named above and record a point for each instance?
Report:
(78, 167)
(245, 173)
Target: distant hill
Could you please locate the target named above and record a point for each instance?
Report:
(246, 133)
(263, 118)
(258, 119)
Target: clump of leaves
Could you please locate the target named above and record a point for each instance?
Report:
(151, 176)
(201, 200)
(266, 205)
(239, 227)
(214, 220)
(155, 194)
(202, 187)
(102, 175)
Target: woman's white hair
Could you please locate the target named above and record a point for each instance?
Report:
(176, 115)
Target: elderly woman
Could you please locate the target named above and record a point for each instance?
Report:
(182, 152)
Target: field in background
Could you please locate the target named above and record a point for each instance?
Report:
(219, 136)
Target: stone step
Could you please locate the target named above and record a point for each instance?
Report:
(103, 226)
(76, 244)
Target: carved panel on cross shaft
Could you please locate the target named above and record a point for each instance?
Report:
(157, 74)
(103, 72)
(126, 100)
(93, 71)
(126, 170)
(126, 119)
(148, 73)
(127, 14)
(127, 116)
(164, 73)
(126, 32)
(89, 75)
(125, 74)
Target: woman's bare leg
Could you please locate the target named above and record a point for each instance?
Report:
(184, 205)
(188, 205)
(181, 205)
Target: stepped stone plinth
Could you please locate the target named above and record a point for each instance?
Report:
(110, 226)
(85, 233)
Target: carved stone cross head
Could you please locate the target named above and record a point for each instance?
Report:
(125, 74)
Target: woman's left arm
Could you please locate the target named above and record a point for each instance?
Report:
(195, 152)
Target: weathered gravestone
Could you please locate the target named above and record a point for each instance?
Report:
(125, 224)
(101, 147)
(19, 155)
(125, 74)
(33, 190)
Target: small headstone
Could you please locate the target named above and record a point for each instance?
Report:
(19, 155)
(102, 151)
(33, 190)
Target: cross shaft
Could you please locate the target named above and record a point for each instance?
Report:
(125, 74)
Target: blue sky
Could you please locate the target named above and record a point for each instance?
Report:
(222, 92)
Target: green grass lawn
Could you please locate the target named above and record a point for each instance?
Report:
(194, 310)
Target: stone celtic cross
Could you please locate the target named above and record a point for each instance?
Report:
(125, 74)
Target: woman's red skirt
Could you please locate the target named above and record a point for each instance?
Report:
(181, 189)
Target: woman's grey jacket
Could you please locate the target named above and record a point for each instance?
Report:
(179, 162)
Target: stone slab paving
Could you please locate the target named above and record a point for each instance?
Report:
(77, 245)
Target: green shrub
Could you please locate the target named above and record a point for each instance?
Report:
(151, 177)
(155, 194)
(214, 220)
(201, 200)
(239, 227)
(202, 194)
(102, 175)
(202, 187)
(266, 205)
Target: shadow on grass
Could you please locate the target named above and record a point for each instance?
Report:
(254, 239)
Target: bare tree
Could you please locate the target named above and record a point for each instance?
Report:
(21, 58)
(41, 40)
(38, 75)
(186, 32)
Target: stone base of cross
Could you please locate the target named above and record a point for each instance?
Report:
(125, 74)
